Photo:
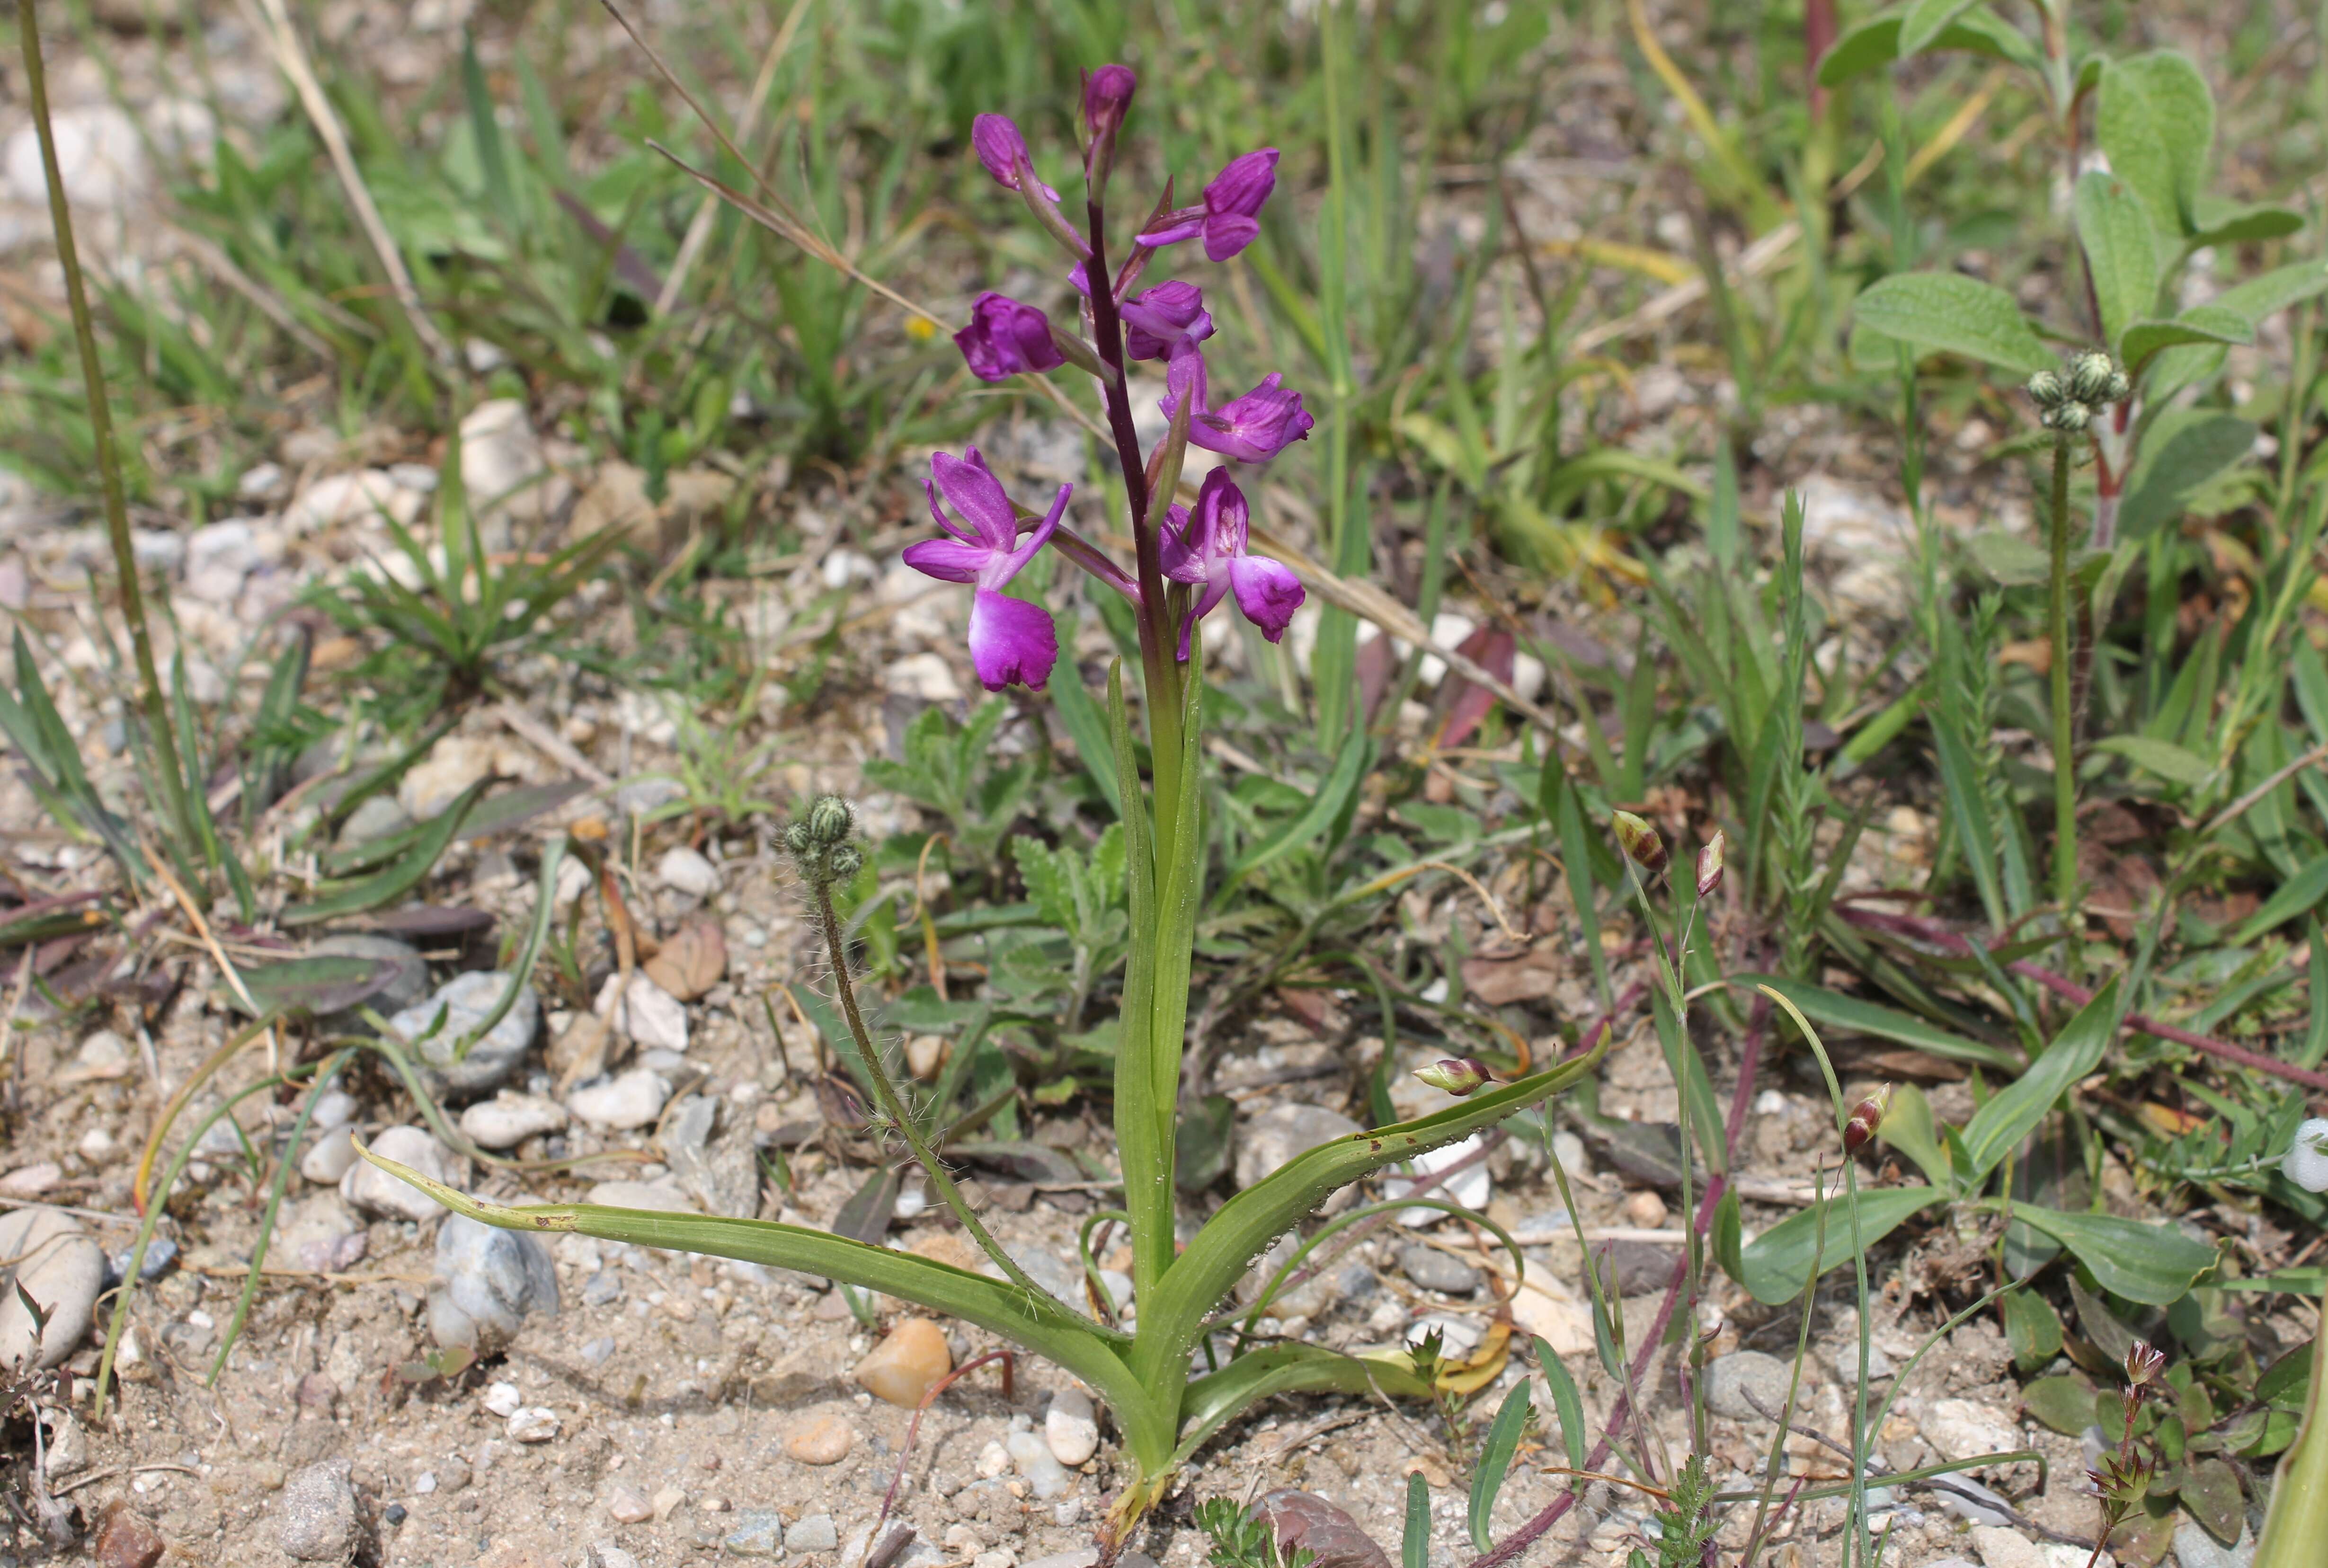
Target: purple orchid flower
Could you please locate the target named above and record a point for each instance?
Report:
(1010, 639)
(1005, 338)
(1207, 548)
(1252, 428)
(1226, 219)
(1155, 320)
(1004, 153)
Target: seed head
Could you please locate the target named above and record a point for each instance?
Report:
(1709, 864)
(1864, 1119)
(1640, 842)
(1459, 1075)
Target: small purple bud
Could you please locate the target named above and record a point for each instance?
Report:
(1003, 151)
(1107, 96)
(1866, 1118)
(1231, 199)
(1709, 864)
(1639, 841)
(1006, 338)
(1459, 1075)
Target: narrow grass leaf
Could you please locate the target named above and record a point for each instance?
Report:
(407, 873)
(1414, 1545)
(1566, 1402)
(1839, 1011)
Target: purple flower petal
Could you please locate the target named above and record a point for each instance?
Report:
(1216, 589)
(949, 559)
(1223, 519)
(1256, 427)
(1182, 557)
(977, 495)
(1155, 321)
(1006, 566)
(1186, 223)
(1010, 641)
(1242, 185)
(1006, 338)
(1002, 150)
(1228, 233)
(1267, 592)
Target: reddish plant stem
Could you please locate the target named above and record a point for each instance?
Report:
(1749, 1060)
(1926, 929)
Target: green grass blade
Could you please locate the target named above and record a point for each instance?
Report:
(398, 879)
(1565, 1401)
(1325, 805)
(1414, 1545)
(1848, 1012)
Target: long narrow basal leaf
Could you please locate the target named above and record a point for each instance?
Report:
(1565, 1401)
(1245, 1226)
(2012, 1112)
(1849, 1012)
(1180, 876)
(1777, 1264)
(407, 873)
(1218, 1397)
(1495, 1461)
(1038, 1322)
(2150, 1263)
(1414, 1542)
(1332, 794)
(1147, 1170)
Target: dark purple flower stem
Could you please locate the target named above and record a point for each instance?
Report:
(1155, 644)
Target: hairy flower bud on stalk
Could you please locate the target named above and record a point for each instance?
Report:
(1459, 1075)
(2069, 419)
(1639, 841)
(1866, 1118)
(1709, 863)
(2046, 390)
(2091, 376)
(819, 839)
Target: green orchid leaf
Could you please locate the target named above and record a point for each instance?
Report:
(2012, 1112)
(1777, 1264)
(2150, 1263)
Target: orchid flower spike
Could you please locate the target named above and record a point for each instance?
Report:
(1006, 338)
(1010, 639)
(1252, 428)
(1003, 150)
(1207, 549)
(1227, 216)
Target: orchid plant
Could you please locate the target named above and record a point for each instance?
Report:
(1186, 560)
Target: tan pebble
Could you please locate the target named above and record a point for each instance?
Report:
(1645, 1208)
(820, 1440)
(945, 1247)
(906, 1365)
(667, 1502)
(680, 1308)
(627, 1505)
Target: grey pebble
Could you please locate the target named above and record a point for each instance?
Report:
(1729, 1379)
(317, 1517)
(817, 1532)
(487, 1282)
(1433, 1269)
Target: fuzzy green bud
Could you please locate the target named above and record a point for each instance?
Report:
(2046, 390)
(2069, 419)
(844, 861)
(1639, 841)
(829, 821)
(2091, 375)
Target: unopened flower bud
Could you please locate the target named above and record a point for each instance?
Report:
(1864, 1119)
(1459, 1075)
(1107, 95)
(2143, 1364)
(2090, 377)
(2119, 388)
(2068, 417)
(1709, 863)
(796, 839)
(2046, 390)
(845, 862)
(1639, 841)
(829, 822)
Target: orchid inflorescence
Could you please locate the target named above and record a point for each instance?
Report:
(1188, 559)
